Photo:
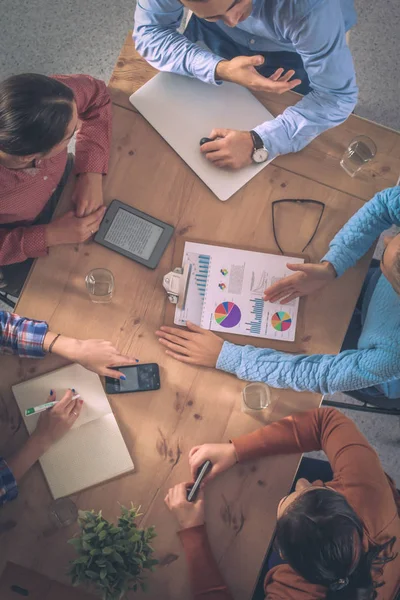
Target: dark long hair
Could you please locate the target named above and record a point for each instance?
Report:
(320, 536)
(35, 111)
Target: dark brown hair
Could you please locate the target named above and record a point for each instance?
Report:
(35, 112)
(320, 536)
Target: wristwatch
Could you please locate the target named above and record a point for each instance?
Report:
(260, 153)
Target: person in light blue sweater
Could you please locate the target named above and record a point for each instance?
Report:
(372, 366)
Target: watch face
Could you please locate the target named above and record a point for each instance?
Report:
(260, 156)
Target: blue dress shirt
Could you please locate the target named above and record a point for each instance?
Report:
(315, 29)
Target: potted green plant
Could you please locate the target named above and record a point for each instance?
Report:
(112, 558)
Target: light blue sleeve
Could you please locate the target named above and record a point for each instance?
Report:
(319, 38)
(323, 373)
(360, 232)
(158, 41)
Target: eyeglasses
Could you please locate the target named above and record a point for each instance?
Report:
(296, 201)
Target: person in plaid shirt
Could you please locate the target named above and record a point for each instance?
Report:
(38, 117)
(33, 339)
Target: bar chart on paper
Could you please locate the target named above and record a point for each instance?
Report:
(225, 292)
(257, 311)
(197, 285)
(201, 266)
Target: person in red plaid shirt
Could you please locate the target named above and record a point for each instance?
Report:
(38, 117)
(33, 339)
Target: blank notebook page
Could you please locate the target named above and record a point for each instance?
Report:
(93, 450)
(87, 456)
(36, 391)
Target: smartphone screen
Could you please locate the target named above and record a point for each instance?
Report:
(139, 378)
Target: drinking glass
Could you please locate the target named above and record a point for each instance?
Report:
(256, 397)
(63, 512)
(100, 285)
(359, 152)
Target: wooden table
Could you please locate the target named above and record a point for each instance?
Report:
(319, 161)
(195, 405)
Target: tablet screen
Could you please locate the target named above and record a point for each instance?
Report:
(133, 234)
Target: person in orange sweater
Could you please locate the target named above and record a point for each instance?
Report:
(338, 540)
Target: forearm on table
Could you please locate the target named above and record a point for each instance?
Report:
(322, 373)
(62, 345)
(298, 125)
(361, 231)
(324, 429)
(21, 243)
(22, 336)
(205, 577)
(26, 457)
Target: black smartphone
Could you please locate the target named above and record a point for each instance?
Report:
(201, 473)
(139, 378)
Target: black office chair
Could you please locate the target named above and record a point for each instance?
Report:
(380, 405)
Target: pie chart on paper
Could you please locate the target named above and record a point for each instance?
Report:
(281, 321)
(227, 314)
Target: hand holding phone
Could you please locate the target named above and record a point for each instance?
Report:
(201, 473)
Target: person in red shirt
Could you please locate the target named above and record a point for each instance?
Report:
(338, 540)
(38, 117)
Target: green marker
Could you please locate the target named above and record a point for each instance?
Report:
(38, 409)
(42, 407)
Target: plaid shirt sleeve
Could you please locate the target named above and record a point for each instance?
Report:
(8, 484)
(21, 336)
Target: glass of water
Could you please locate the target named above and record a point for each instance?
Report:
(359, 152)
(256, 397)
(100, 285)
(63, 512)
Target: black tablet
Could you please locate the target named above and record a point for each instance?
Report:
(134, 234)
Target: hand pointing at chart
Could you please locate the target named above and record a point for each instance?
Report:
(195, 347)
(306, 280)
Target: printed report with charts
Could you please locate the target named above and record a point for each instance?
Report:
(93, 450)
(225, 292)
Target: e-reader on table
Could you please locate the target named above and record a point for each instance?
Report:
(195, 405)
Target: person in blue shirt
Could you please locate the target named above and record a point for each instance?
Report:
(251, 43)
(370, 367)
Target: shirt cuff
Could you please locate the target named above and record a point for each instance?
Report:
(340, 266)
(274, 136)
(192, 536)
(34, 241)
(8, 483)
(247, 447)
(204, 66)
(30, 341)
(229, 358)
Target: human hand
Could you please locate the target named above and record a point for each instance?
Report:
(88, 193)
(96, 355)
(242, 70)
(70, 229)
(196, 347)
(222, 457)
(188, 514)
(229, 148)
(54, 422)
(307, 279)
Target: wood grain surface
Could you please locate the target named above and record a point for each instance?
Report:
(194, 405)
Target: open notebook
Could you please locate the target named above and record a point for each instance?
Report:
(94, 450)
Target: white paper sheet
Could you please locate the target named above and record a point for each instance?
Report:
(225, 292)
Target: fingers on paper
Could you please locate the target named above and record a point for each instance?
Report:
(195, 328)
